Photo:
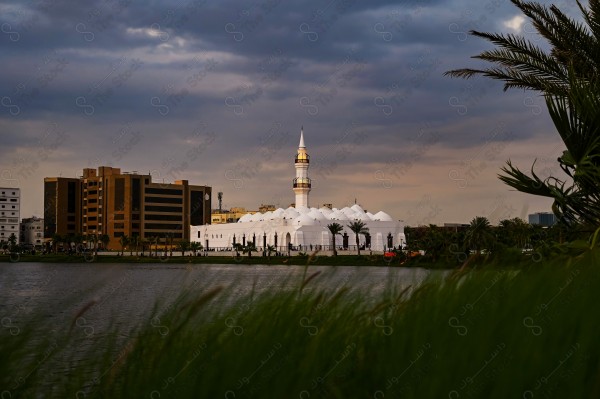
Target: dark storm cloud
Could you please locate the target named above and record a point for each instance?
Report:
(125, 79)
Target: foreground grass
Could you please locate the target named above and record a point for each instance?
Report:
(478, 334)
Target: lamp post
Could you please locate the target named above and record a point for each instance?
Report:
(276, 242)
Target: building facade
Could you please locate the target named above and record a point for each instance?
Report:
(10, 205)
(32, 232)
(125, 204)
(300, 227)
(62, 206)
(228, 216)
(234, 214)
(542, 218)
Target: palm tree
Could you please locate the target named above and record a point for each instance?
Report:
(270, 249)
(169, 239)
(134, 242)
(184, 245)
(150, 241)
(334, 229)
(238, 248)
(12, 242)
(574, 48)
(78, 240)
(123, 241)
(105, 240)
(142, 241)
(56, 239)
(567, 76)
(93, 239)
(156, 242)
(358, 227)
(514, 232)
(195, 247)
(436, 242)
(479, 233)
(249, 248)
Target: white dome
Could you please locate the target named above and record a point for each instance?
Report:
(325, 211)
(290, 213)
(362, 217)
(278, 213)
(384, 217)
(338, 215)
(357, 208)
(315, 214)
(245, 218)
(303, 220)
(302, 209)
(255, 217)
(350, 213)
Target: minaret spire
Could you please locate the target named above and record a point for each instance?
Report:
(301, 145)
(302, 182)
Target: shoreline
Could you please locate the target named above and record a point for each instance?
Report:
(315, 259)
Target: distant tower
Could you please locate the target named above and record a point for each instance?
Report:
(302, 181)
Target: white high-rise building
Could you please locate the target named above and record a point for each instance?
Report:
(10, 204)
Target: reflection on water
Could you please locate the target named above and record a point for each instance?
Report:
(129, 291)
(123, 296)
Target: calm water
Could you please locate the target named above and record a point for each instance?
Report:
(126, 294)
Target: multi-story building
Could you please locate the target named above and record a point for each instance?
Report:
(32, 232)
(542, 218)
(235, 213)
(130, 204)
(228, 216)
(266, 208)
(62, 206)
(10, 203)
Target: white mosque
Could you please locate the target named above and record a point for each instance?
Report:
(301, 227)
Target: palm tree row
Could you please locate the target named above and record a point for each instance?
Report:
(457, 244)
(75, 242)
(358, 227)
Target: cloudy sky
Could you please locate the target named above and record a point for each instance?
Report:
(215, 92)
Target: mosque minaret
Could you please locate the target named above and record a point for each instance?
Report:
(302, 181)
(302, 227)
